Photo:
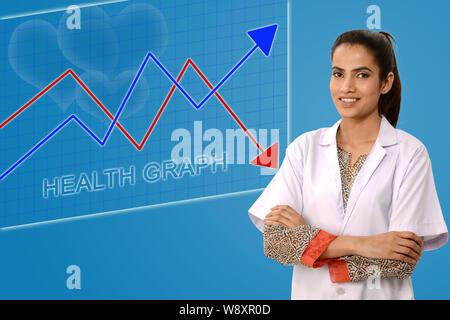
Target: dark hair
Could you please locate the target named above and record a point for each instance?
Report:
(380, 44)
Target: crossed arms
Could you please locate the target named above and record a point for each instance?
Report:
(289, 240)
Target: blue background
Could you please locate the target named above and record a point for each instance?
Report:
(210, 249)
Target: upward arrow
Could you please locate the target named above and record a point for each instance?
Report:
(263, 37)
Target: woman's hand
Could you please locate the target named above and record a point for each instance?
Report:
(285, 216)
(404, 246)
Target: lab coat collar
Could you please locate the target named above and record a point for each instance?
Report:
(386, 136)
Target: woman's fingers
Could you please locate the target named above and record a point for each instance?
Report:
(279, 213)
(288, 213)
(410, 244)
(278, 219)
(272, 222)
(282, 215)
(285, 211)
(284, 208)
(412, 236)
(406, 251)
(404, 258)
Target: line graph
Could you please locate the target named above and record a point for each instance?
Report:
(263, 39)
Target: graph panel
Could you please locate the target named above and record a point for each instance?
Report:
(128, 104)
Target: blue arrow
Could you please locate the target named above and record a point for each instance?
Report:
(264, 37)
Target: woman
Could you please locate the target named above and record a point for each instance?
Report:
(355, 201)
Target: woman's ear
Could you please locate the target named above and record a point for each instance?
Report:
(387, 83)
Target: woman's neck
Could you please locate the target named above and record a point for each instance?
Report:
(355, 131)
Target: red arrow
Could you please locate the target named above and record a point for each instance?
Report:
(269, 157)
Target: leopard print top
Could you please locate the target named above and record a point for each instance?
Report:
(286, 246)
(348, 173)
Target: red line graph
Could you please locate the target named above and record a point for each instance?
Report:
(138, 146)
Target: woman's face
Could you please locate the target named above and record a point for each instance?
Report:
(355, 84)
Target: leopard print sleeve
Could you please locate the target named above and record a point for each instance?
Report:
(285, 245)
(362, 268)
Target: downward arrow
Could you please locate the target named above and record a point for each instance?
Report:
(268, 158)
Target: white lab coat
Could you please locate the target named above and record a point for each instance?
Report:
(393, 191)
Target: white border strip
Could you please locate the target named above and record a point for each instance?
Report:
(35, 13)
(288, 133)
(127, 210)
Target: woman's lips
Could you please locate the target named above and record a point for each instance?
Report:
(349, 101)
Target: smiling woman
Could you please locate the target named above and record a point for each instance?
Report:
(355, 201)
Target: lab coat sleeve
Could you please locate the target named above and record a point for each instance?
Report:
(285, 188)
(416, 207)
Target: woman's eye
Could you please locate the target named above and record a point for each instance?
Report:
(363, 75)
(337, 74)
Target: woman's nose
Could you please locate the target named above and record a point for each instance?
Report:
(348, 85)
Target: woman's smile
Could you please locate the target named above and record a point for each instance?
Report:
(348, 102)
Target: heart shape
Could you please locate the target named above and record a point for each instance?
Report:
(109, 44)
(109, 49)
(140, 28)
(39, 53)
(93, 47)
(34, 54)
